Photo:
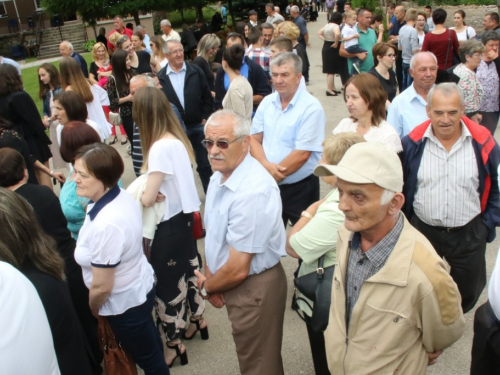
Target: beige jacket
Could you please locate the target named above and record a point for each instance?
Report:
(408, 308)
(239, 98)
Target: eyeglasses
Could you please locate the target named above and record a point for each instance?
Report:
(221, 145)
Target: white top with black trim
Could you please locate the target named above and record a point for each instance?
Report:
(111, 236)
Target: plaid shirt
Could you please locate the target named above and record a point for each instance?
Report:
(361, 266)
(261, 57)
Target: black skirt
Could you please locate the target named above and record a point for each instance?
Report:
(333, 63)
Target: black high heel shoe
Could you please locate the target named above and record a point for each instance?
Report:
(203, 331)
(183, 356)
(113, 141)
(124, 142)
(328, 93)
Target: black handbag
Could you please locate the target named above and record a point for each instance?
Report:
(447, 75)
(317, 286)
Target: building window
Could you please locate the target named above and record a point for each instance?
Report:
(38, 4)
(3, 11)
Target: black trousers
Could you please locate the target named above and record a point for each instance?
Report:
(318, 350)
(464, 249)
(296, 197)
(490, 120)
(486, 342)
(128, 125)
(399, 72)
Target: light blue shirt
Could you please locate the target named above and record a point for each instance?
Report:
(406, 111)
(301, 126)
(146, 43)
(245, 213)
(177, 81)
(6, 60)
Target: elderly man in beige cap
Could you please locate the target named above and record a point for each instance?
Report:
(394, 306)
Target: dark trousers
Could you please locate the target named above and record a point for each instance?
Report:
(318, 350)
(196, 134)
(137, 332)
(464, 249)
(486, 342)
(296, 197)
(407, 78)
(490, 120)
(399, 72)
(128, 125)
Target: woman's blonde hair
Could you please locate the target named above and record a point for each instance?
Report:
(207, 41)
(114, 38)
(289, 29)
(71, 74)
(96, 47)
(154, 117)
(23, 239)
(159, 44)
(335, 146)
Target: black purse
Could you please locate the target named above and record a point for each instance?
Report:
(317, 286)
(447, 75)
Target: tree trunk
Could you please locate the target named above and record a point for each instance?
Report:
(137, 20)
(199, 11)
(230, 8)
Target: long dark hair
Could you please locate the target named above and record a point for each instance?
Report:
(120, 72)
(54, 79)
(10, 81)
(24, 237)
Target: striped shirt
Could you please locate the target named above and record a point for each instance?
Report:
(447, 182)
(363, 265)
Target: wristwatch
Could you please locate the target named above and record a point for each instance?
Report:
(203, 292)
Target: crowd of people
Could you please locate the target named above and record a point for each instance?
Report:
(414, 172)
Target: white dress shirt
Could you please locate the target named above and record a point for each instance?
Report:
(244, 212)
(447, 182)
(177, 81)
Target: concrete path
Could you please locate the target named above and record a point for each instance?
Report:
(217, 355)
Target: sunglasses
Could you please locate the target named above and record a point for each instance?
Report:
(221, 145)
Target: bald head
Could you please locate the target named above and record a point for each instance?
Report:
(65, 48)
(140, 81)
(423, 69)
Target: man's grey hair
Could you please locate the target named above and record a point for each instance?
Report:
(165, 23)
(287, 58)
(266, 25)
(139, 27)
(402, 8)
(270, 5)
(489, 35)
(386, 197)
(295, 9)
(166, 48)
(241, 126)
(416, 56)
(150, 82)
(117, 17)
(447, 89)
(68, 44)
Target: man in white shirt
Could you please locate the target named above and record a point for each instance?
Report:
(272, 16)
(407, 110)
(168, 32)
(451, 190)
(6, 60)
(244, 243)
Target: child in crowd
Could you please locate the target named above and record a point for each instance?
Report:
(350, 38)
(106, 67)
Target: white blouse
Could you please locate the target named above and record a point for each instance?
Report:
(383, 133)
(112, 238)
(467, 34)
(170, 157)
(95, 111)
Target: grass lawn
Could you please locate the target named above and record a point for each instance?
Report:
(30, 80)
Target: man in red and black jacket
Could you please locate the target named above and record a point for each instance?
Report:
(450, 167)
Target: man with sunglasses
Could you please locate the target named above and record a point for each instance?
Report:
(186, 86)
(243, 246)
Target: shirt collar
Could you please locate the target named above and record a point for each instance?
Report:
(379, 253)
(430, 134)
(169, 69)
(293, 102)
(238, 174)
(101, 203)
(412, 94)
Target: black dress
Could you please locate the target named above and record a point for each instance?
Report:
(67, 334)
(21, 111)
(144, 63)
(102, 39)
(48, 210)
(390, 85)
(205, 66)
(10, 138)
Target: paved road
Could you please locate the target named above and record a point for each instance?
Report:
(218, 356)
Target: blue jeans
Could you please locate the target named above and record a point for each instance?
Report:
(407, 78)
(139, 336)
(196, 134)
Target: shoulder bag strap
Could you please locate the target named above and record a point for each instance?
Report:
(447, 49)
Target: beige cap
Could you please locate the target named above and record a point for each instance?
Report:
(367, 163)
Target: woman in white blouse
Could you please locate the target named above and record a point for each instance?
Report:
(109, 250)
(463, 31)
(365, 99)
(156, 44)
(167, 161)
